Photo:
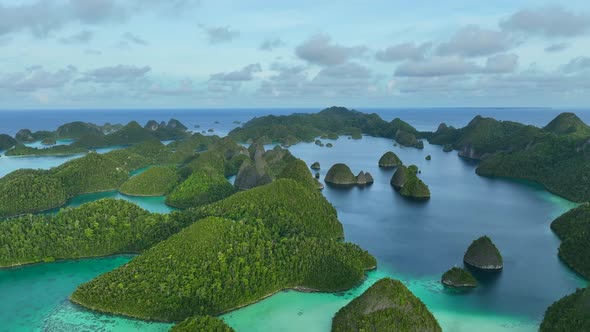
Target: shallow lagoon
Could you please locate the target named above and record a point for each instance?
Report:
(414, 242)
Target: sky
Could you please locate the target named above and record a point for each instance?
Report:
(77, 54)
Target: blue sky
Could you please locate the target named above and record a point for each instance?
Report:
(192, 54)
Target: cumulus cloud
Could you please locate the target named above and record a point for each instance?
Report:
(244, 74)
(231, 81)
(83, 36)
(343, 80)
(41, 17)
(271, 44)
(36, 78)
(548, 21)
(220, 34)
(578, 64)
(501, 63)
(404, 51)
(456, 66)
(556, 47)
(320, 49)
(115, 74)
(437, 66)
(473, 41)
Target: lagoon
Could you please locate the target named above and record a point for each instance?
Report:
(413, 241)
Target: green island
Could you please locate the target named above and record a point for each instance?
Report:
(90, 136)
(405, 180)
(155, 181)
(272, 221)
(245, 248)
(555, 156)
(389, 160)
(57, 150)
(6, 142)
(340, 175)
(262, 166)
(331, 122)
(483, 254)
(458, 278)
(570, 313)
(27, 136)
(28, 191)
(101, 228)
(573, 228)
(202, 323)
(388, 305)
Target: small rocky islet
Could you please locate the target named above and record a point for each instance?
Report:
(389, 160)
(341, 175)
(483, 254)
(405, 180)
(388, 305)
(458, 278)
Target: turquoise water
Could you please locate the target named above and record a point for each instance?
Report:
(417, 242)
(34, 298)
(152, 204)
(10, 163)
(38, 144)
(295, 311)
(414, 242)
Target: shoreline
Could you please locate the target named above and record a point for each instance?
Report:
(60, 260)
(301, 289)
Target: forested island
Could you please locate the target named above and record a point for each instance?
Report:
(250, 249)
(386, 306)
(271, 229)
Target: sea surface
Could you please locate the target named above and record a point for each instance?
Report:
(413, 241)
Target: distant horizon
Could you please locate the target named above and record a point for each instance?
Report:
(320, 108)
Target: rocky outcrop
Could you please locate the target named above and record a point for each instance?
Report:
(388, 305)
(399, 178)
(484, 255)
(428, 157)
(458, 278)
(24, 135)
(369, 178)
(318, 184)
(389, 160)
(467, 151)
(448, 148)
(175, 124)
(256, 150)
(406, 181)
(364, 178)
(407, 139)
(6, 142)
(315, 166)
(340, 174)
(252, 174)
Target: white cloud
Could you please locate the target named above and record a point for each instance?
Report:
(320, 49)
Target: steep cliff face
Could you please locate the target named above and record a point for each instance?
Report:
(386, 306)
(253, 174)
(484, 255)
(340, 174)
